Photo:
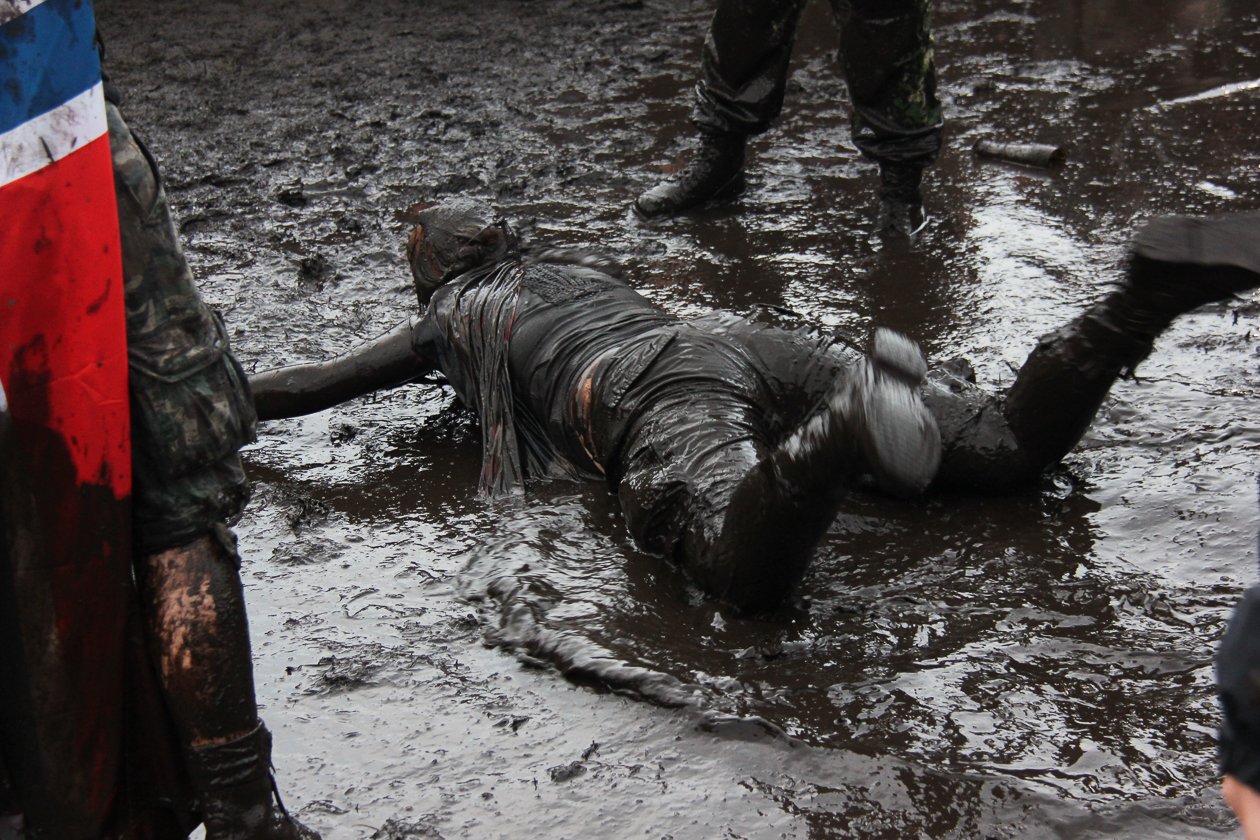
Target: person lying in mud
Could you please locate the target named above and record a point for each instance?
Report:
(731, 443)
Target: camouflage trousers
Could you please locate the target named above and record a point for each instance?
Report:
(885, 52)
(191, 409)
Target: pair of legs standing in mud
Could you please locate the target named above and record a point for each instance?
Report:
(886, 54)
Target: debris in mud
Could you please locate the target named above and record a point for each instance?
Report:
(515, 723)
(405, 830)
(1026, 154)
(300, 511)
(341, 433)
(292, 197)
(314, 272)
(566, 772)
(342, 675)
(308, 552)
(323, 806)
(1248, 309)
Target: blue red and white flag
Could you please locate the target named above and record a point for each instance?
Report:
(65, 482)
(60, 263)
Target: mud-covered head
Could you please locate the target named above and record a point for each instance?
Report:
(453, 237)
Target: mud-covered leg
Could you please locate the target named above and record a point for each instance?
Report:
(744, 70)
(887, 55)
(194, 610)
(742, 516)
(1178, 264)
(191, 412)
(873, 422)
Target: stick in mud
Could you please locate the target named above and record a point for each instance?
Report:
(1026, 154)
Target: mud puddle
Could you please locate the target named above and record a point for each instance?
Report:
(1036, 665)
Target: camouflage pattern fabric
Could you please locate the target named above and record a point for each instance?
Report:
(190, 402)
(886, 54)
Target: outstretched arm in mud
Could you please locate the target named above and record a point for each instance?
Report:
(401, 355)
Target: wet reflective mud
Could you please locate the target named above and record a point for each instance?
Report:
(1035, 664)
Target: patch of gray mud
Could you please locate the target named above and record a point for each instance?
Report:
(1035, 665)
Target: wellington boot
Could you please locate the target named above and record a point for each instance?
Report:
(714, 171)
(237, 794)
(1182, 262)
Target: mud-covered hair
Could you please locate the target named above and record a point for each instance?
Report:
(454, 237)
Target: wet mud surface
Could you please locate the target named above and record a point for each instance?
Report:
(1034, 665)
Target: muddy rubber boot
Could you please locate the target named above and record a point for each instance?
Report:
(900, 200)
(1178, 264)
(896, 433)
(1182, 262)
(237, 793)
(714, 171)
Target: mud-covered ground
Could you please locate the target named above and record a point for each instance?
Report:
(1036, 665)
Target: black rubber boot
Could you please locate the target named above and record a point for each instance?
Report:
(900, 200)
(1178, 264)
(714, 171)
(237, 793)
(1182, 262)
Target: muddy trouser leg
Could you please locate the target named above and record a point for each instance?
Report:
(700, 482)
(887, 58)
(745, 64)
(995, 441)
(191, 412)
(1178, 264)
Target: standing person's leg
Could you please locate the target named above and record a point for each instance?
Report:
(191, 411)
(1179, 263)
(886, 53)
(744, 70)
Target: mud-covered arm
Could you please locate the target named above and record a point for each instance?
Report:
(399, 356)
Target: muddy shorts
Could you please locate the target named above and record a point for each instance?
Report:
(684, 414)
(190, 402)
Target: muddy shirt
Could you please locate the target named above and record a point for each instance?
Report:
(515, 341)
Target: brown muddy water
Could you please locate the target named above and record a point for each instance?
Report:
(1035, 665)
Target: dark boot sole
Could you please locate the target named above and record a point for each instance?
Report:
(1209, 257)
